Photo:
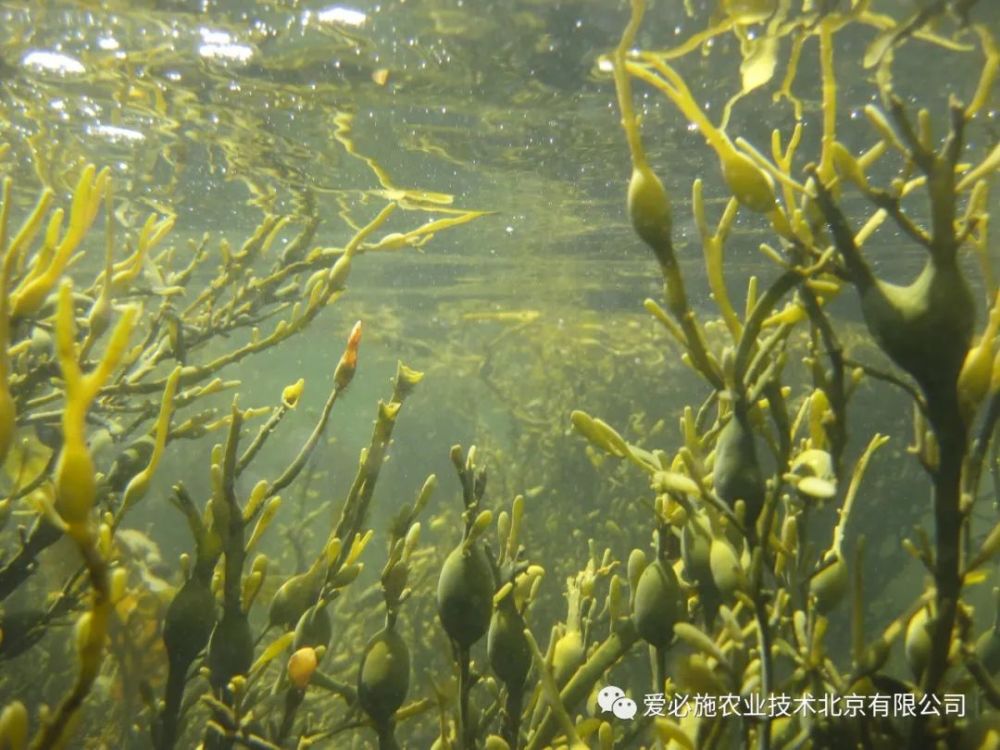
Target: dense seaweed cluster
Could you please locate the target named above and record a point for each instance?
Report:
(762, 581)
(154, 386)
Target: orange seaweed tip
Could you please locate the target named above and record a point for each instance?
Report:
(355, 338)
(301, 666)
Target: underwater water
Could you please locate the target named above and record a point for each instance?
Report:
(460, 374)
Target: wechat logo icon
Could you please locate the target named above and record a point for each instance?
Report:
(611, 699)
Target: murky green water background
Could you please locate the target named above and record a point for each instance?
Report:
(216, 111)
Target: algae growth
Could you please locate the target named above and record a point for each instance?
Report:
(220, 225)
